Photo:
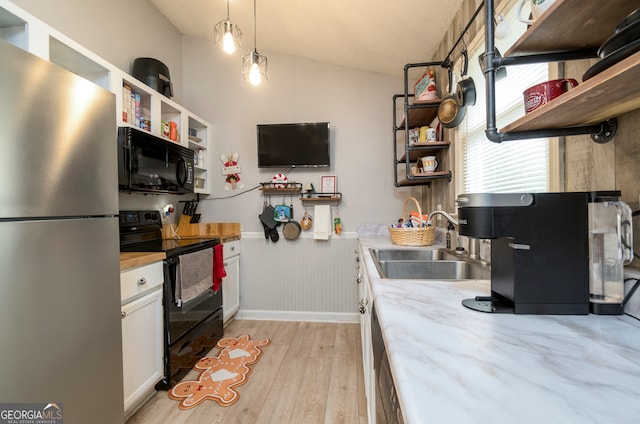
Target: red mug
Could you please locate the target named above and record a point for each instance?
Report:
(542, 93)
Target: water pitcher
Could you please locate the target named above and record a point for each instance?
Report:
(610, 248)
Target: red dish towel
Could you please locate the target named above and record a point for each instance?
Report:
(218, 266)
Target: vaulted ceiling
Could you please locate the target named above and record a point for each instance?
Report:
(373, 35)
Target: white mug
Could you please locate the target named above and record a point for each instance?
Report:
(429, 163)
(431, 134)
(538, 7)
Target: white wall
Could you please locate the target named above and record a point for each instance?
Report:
(357, 104)
(117, 30)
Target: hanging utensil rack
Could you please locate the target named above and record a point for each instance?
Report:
(276, 188)
(321, 197)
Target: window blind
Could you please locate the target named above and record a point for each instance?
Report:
(512, 166)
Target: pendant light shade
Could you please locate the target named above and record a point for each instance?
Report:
(254, 65)
(227, 35)
(254, 68)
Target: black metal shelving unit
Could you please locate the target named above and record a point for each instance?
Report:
(423, 113)
(590, 108)
(416, 114)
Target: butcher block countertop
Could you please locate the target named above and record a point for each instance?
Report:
(134, 259)
(225, 231)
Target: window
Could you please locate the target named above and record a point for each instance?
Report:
(512, 166)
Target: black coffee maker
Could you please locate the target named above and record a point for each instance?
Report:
(539, 250)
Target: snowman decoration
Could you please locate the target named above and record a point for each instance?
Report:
(232, 170)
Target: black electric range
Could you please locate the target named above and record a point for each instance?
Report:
(191, 329)
(141, 231)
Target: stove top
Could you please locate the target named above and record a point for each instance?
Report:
(141, 231)
(170, 246)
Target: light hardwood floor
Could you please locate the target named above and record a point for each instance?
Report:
(310, 373)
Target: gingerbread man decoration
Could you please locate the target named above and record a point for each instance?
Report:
(221, 374)
(232, 170)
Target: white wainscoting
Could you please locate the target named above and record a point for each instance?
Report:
(301, 280)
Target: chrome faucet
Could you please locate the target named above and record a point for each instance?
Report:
(474, 243)
(446, 215)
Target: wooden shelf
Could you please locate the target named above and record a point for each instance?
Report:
(433, 174)
(418, 150)
(421, 113)
(422, 179)
(280, 190)
(322, 197)
(570, 25)
(611, 93)
(290, 189)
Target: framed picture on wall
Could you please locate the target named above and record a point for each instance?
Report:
(328, 184)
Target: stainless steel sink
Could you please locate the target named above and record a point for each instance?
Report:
(427, 264)
(413, 255)
(424, 270)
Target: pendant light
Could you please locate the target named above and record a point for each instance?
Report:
(254, 65)
(227, 35)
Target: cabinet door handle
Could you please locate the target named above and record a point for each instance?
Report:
(142, 281)
(363, 306)
(122, 314)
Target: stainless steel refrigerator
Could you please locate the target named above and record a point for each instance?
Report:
(60, 330)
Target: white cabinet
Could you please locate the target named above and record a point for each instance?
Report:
(31, 34)
(366, 303)
(140, 106)
(142, 332)
(231, 283)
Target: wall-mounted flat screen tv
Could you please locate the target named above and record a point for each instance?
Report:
(293, 145)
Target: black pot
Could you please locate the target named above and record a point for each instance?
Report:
(466, 88)
(153, 73)
(619, 39)
(466, 92)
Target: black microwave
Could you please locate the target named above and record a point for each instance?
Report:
(150, 164)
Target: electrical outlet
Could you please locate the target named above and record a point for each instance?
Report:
(438, 216)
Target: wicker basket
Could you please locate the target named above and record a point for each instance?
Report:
(417, 236)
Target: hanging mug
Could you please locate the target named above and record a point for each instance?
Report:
(538, 7)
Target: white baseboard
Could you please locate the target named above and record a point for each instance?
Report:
(299, 316)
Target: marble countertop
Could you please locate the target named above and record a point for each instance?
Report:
(452, 364)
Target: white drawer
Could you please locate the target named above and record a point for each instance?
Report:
(231, 248)
(135, 281)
